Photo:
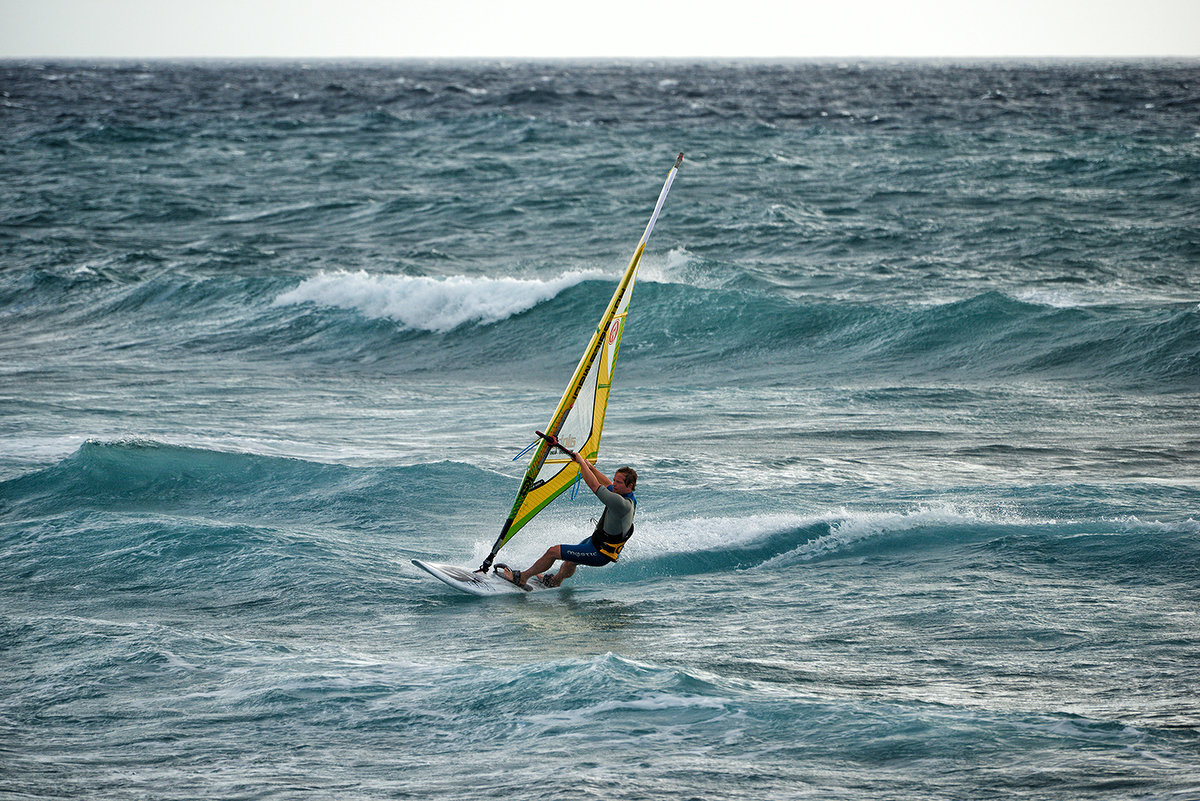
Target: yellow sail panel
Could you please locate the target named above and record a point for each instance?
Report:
(581, 427)
(536, 499)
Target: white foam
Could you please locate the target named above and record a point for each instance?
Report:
(1112, 294)
(1056, 298)
(710, 534)
(680, 267)
(422, 303)
(650, 702)
(47, 449)
(846, 528)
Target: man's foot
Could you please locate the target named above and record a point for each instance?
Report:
(549, 579)
(504, 571)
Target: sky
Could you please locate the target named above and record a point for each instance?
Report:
(604, 29)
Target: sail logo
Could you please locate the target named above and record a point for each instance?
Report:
(613, 331)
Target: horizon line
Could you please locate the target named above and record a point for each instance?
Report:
(599, 58)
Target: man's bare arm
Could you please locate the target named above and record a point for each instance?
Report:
(593, 477)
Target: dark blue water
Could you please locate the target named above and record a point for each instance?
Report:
(910, 379)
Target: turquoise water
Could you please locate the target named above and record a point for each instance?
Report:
(910, 381)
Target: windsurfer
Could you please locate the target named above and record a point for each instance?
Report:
(612, 532)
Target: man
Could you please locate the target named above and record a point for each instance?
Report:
(612, 532)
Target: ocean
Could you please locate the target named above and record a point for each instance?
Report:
(910, 379)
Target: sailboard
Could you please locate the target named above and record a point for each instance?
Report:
(577, 422)
(474, 582)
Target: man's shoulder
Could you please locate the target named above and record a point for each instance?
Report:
(611, 498)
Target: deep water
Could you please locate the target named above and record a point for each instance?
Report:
(910, 379)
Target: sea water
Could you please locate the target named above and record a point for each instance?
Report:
(910, 379)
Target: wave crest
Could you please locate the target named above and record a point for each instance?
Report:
(424, 303)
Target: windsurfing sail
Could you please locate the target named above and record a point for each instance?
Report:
(579, 419)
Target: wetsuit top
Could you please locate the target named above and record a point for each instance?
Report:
(616, 524)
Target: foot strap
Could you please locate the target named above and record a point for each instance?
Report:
(516, 577)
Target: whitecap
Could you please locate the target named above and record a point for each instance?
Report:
(424, 303)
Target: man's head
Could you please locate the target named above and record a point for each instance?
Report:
(624, 480)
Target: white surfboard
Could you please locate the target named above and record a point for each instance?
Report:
(464, 580)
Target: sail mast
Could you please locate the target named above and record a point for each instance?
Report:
(512, 524)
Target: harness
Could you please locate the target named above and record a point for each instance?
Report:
(610, 545)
